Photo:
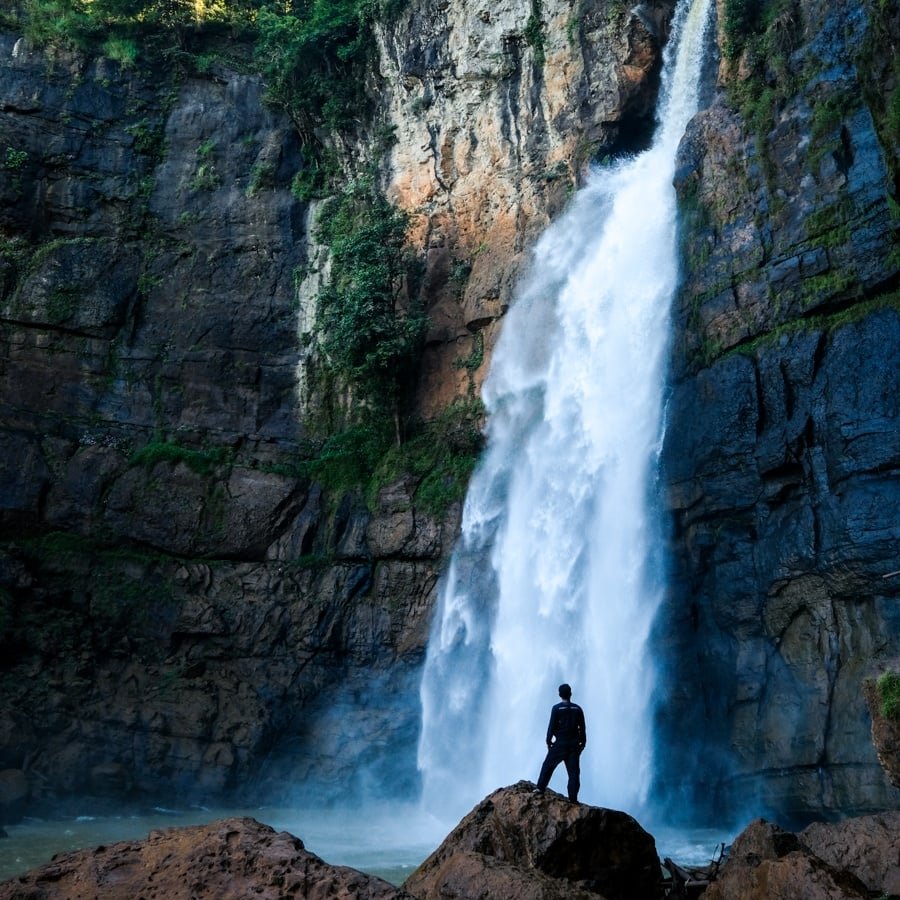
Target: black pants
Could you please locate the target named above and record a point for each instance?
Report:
(562, 753)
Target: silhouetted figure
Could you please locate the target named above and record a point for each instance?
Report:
(566, 738)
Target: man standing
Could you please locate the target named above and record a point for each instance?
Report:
(566, 738)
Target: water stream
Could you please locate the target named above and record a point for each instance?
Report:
(558, 574)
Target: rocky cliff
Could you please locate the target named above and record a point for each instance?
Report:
(782, 447)
(184, 611)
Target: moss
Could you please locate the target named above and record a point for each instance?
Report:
(829, 322)
(474, 360)
(442, 455)
(534, 33)
(888, 685)
(203, 462)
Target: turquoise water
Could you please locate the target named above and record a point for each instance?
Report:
(388, 842)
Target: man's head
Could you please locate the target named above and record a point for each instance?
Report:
(565, 692)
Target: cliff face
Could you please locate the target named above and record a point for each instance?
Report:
(782, 445)
(182, 612)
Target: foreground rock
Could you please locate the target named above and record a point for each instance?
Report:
(517, 844)
(885, 733)
(868, 846)
(767, 863)
(227, 860)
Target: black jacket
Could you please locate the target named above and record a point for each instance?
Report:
(567, 724)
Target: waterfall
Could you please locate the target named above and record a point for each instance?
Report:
(556, 576)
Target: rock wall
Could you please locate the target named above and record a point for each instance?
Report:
(183, 614)
(782, 447)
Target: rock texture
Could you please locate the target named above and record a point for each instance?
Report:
(782, 451)
(494, 120)
(867, 846)
(227, 860)
(518, 844)
(176, 602)
(766, 863)
(885, 733)
(182, 613)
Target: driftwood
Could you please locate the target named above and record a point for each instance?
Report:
(689, 882)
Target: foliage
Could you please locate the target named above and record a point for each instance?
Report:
(889, 693)
(14, 159)
(534, 32)
(312, 54)
(370, 340)
(441, 454)
(346, 460)
(203, 462)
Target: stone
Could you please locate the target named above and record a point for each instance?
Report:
(515, 833)
(767, 863)
(885, 734)
(230, 859)
(867, 846)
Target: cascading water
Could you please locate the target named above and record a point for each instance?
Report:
(553, 578)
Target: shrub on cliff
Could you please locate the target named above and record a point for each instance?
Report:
(370, 330)
(889, 694)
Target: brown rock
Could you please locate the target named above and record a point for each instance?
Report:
(885, 734)
(867, 846)
(515, 838)
(227, 860)
(767, 863)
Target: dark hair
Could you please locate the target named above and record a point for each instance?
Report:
(565, 691)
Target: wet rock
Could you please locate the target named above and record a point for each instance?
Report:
(227, 860)
(786, 353)
(767, 863)
(518, 843)
(14, 793)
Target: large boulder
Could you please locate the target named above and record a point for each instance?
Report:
(885, 733)
(520, 844)
(227, 860)
(868, 846)
(767, 863)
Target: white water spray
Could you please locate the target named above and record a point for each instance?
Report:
(552, 580)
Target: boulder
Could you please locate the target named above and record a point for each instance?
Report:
(227, 860)
(885, 733)
(767, 863)
(867, 846)
(517, 844)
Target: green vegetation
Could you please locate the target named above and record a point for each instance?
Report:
(370, 338)
(829, 321)
(889, 693)
(14, 160)
(312, 55)
(203, 462)
(534, 33)
(439, 455)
